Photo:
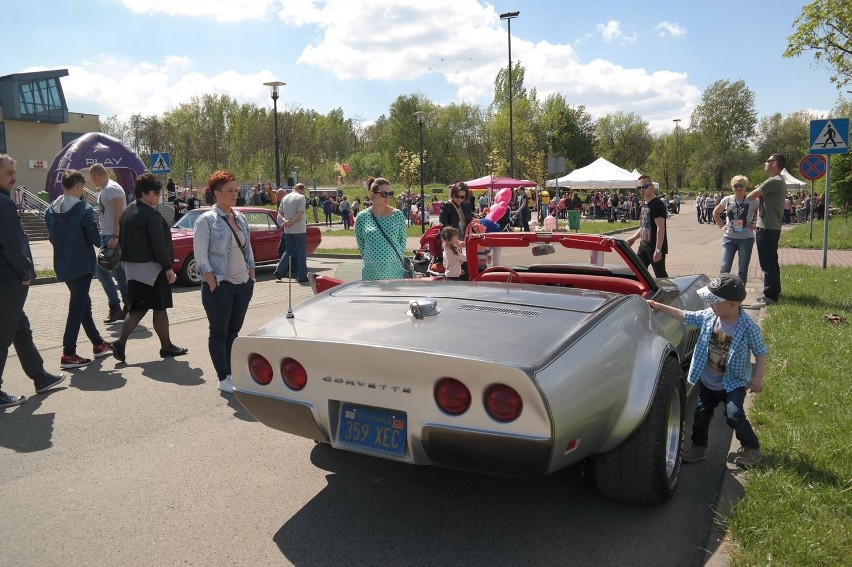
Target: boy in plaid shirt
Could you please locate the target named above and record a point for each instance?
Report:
(722, 363)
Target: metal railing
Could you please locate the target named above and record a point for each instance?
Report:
(33, 202)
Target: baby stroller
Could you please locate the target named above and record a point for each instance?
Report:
(427, 260)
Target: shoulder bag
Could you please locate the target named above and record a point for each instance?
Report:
(407, 266)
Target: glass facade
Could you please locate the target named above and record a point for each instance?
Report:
(2, 138)
(40, 101)
(68, 137)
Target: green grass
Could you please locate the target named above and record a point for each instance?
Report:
(322, 250)
(839, 235)
(797, 507)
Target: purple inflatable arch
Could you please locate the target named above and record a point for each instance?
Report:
(90, 149)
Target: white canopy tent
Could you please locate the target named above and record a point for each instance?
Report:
(638, 174)
(793, 184)
(600, 174)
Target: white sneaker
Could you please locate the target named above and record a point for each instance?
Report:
(226, 385)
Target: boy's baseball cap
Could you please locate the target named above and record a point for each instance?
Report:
(724, 287)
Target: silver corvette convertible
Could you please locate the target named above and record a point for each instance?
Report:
(547, 358)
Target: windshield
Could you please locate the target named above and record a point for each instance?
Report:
(187, 221)
(583, 254)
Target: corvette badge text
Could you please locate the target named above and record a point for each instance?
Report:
(371, 385)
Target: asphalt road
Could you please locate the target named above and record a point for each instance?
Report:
(148, 464)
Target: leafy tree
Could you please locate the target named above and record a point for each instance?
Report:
(571, 130)
(501, 86)
(825, 27)
(841, 167)
(724, 123)
(455, 138)
(409, 167)
(534, 163)
(788, 135)
(497, 164)
(623, 139)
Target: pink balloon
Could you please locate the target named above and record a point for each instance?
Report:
(496, 212)
(504, 196)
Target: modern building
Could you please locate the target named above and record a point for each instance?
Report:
(35, 123)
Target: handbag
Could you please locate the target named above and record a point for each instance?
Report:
(407, 266)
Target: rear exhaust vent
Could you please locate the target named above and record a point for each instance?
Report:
(500, 310)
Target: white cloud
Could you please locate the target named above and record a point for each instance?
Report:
(671, 29)
(460, 43)
(156, 87)
(611, 31)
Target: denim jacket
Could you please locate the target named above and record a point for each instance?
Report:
(212, 240)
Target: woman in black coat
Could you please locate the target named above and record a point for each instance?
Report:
(457, 211)
(146, 249)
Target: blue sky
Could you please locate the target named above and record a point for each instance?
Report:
(653, 58)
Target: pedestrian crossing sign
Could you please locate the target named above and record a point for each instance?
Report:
(830, 136)
(161, 163)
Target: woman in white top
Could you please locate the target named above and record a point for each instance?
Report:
(740, 216)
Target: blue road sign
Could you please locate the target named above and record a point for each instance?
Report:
(829, 136)
(161, 163)
(812, 167)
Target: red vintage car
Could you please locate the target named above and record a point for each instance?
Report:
(265, 236)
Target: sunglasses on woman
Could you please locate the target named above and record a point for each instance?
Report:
(384, 194)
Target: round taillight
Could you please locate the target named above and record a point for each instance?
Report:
(294, 374)
(503, 403)
(260, 369)
(452, 396)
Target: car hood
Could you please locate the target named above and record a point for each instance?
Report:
(181, 233)
(519, 325)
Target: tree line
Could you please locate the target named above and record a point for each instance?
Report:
(464, 141)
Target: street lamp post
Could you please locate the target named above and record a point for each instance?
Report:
(677, 155)
(508, 16)
(275, 85)
(421, 116)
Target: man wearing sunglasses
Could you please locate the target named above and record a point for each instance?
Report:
(653, 243)
(771, 194)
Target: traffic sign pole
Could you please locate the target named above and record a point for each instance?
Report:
(825, 214)
(811, 213)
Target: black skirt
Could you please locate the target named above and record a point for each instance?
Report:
(143, 296)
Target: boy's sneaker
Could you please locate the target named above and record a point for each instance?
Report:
(764, 301)
(747, 457)
(73, 361)
(693, 453)
(103, 349)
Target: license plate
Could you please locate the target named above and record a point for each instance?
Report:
(377, 430)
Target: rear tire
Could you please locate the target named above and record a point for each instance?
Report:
(188, 274)
(645, 469)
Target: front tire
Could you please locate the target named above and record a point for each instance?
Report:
(645, 469)
(188, 274)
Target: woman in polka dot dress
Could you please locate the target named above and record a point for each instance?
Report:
(380, 261)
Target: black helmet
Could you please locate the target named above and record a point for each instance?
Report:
(109, 258)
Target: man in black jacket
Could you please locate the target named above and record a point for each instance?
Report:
(16, 275)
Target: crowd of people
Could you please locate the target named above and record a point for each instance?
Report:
(142, 280)
(133, 264)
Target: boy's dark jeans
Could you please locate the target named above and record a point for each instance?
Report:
(735, 415)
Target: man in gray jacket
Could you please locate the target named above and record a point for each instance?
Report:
(16, 275)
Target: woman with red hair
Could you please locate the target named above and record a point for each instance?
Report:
(226, 264)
